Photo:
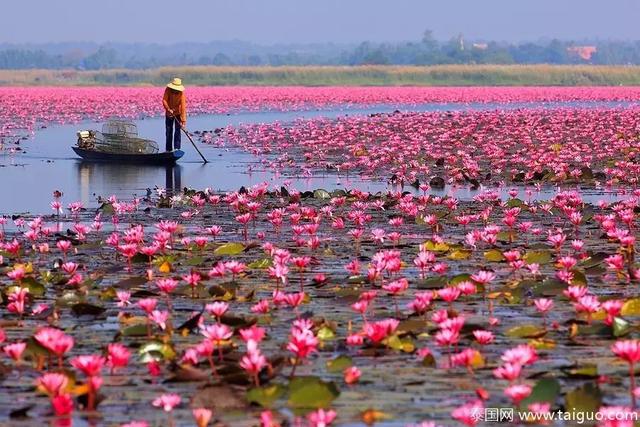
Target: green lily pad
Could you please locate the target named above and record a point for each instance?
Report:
(493, 255)
(311, 392)
(436, 247)
(321, 194)
(537, 257)
(261, 263)
(325, 333)
(526, 331)
(433, 282)
(621, 327)
(459, 254)
(35, 288)
(267, 395)
(339, 364)
(545, 390)
(231, 248)
(156, 350)
(585, 399)
(194, 261)
(138, 330)
(586, 371)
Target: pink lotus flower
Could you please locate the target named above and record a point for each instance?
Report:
(167, 401)
(53, 383)
(118, 356)
(14, 350)
(321, 418)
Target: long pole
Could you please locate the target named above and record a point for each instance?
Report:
(190, 139)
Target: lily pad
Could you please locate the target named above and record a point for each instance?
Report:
(232, 248)
(493, 255)
(267, 395)
(156, 350)
(339, 364)
(311, 392)
(631, 308)
(459, 254)
(545, 390)
(585, 399)
(321, 194)
(537, 257)
(526, 331)
(436, 247)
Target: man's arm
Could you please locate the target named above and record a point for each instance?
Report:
(183, 109)
(165, 102)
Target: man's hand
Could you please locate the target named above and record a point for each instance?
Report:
(182, 124)
(170, 111)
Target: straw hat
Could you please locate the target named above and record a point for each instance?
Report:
(176, 84)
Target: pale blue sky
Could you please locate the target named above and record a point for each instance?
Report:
(273, 21)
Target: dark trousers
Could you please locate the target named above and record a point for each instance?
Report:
(170, 124)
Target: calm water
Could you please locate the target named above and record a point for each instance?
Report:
(49, 163)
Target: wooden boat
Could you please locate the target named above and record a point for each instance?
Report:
(164, 158)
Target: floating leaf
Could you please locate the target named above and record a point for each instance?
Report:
(433, 283)
(266, 396)
(156, 350)
(138, 330)
(594, 260)
(547, 288)
(436, 247)
(194, 261)
(493, 255)
(631, 307)
(311, 392)
(339, 364)
(621, 327)
(537, 257)
(229, 249)
(579, 278)
(542, 344)
(130, 282)
(325, 333)
(546, 390)
(35, 288)
(261, 263)
(514, 203)
(585, 399)
(526, 331)
(460, 278)
(506, 236)
(586, 371)
(321, 194)
(459, 254)
(404, 344)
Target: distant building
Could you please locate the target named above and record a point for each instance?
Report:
(480, 46)
(584, 52)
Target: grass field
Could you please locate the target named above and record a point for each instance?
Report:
(374, 75)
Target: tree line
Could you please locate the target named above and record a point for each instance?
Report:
(427, 51)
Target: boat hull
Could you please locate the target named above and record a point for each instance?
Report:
(165, 158)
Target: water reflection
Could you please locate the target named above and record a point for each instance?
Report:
(173, 178)
(104, 179)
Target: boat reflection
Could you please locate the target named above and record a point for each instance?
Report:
(105, 179)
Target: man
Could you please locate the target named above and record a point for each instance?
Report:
(175, 107)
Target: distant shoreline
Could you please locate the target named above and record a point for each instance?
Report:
(373, 75)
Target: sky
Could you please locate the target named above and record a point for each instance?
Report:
(309, 21)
